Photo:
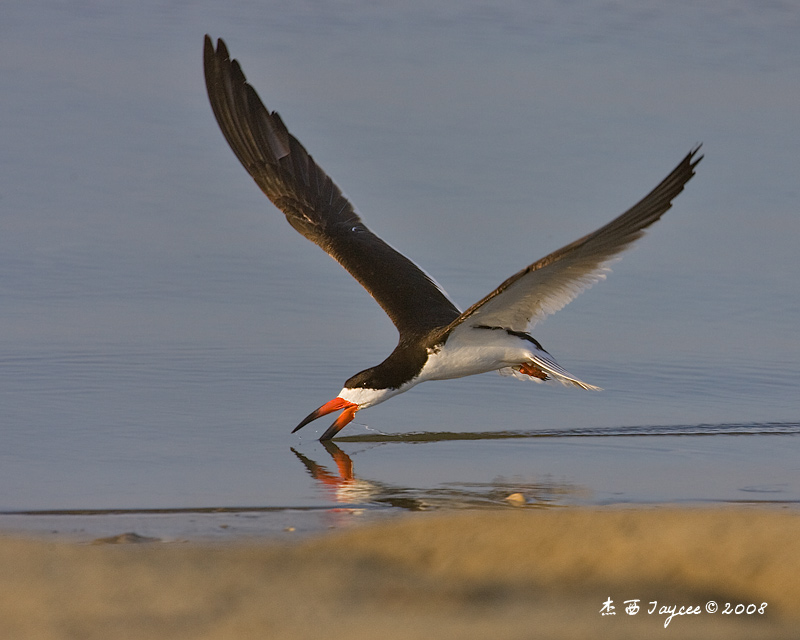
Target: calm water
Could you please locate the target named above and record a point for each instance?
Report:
(163, 328)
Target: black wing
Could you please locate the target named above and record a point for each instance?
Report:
(549, 284)
(314, 205)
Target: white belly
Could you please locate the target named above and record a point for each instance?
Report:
(477, 351)
(471, 351)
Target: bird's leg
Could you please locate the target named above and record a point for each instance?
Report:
(532, 370)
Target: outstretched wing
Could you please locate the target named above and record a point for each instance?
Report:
(314, 205)
(549, 284)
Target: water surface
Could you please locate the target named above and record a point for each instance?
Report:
(163, 328)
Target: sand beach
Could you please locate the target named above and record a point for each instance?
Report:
(513, 573)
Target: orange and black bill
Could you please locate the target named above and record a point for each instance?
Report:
(344, 418)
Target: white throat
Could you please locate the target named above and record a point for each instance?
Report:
(367, 397)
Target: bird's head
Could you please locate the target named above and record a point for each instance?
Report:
(350, 400)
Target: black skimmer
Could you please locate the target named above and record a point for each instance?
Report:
(437, 340)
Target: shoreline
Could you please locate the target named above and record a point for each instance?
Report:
(495, 573)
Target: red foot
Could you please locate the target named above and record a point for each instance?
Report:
(532, 370)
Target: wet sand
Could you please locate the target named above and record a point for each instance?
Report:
(499, 574)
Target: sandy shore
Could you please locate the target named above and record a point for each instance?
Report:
(500, 574)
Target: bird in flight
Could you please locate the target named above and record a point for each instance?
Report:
(437, 340)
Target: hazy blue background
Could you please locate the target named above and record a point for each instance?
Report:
(162, 328)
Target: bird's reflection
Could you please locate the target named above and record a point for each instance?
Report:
(343, 487)
(343, 464)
